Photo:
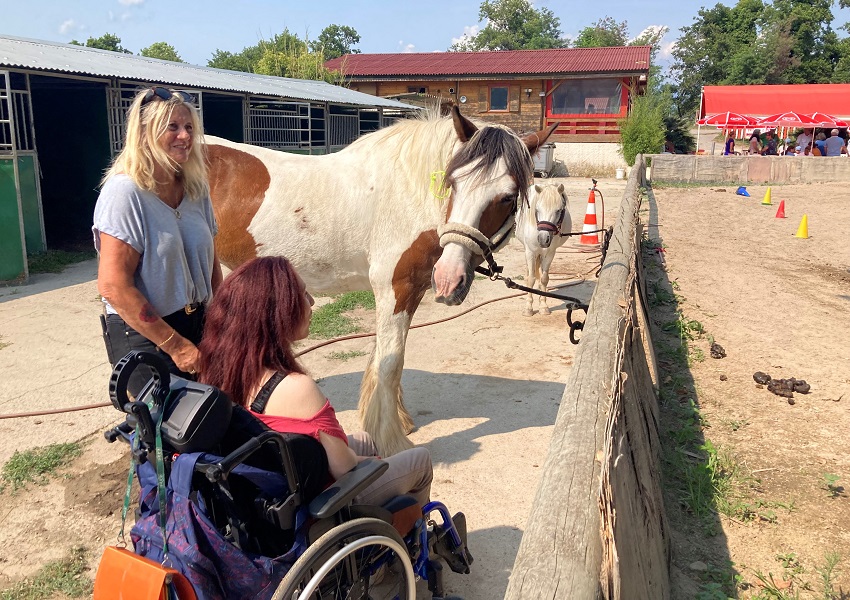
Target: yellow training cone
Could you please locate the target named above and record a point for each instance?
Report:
(803, 229)
(766, 200)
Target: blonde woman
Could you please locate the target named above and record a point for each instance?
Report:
(153, 230)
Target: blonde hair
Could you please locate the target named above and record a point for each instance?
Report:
(142, 154)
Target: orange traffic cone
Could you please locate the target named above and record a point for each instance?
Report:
(590, 222)
(780, 213)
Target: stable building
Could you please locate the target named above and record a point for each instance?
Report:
(586, 90)
(62, 111)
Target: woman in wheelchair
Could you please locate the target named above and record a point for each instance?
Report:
(255, 316)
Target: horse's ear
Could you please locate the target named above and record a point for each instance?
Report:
(464, 127)
(538, 188)
(560, 188)
(534, 140)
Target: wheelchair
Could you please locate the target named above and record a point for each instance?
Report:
(261, 498)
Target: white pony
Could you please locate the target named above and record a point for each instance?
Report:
(539, 226)
(414, 205)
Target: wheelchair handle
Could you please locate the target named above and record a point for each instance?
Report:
(222, 469)
(121, 377)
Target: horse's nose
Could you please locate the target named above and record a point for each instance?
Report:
(544, 239)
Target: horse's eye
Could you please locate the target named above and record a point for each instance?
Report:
(510, 199)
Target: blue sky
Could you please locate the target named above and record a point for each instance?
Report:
(197, 28)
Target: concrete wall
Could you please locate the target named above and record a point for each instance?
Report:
(582, 159)
(749, 169)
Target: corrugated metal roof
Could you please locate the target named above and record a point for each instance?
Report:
(68, 58)
(504, 62)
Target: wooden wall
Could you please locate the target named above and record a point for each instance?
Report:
(525, 110)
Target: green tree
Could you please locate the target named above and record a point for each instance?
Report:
(643, 131)
(605, 32)
(514, 25)
(108, 41)
(284, 55)
(162, 51)
(336, 40)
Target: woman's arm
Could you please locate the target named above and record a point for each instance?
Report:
(115, 282)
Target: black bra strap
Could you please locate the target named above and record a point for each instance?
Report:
(259, 403)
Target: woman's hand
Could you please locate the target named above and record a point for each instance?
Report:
(184, 353)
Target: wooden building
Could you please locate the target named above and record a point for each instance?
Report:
(587, 90)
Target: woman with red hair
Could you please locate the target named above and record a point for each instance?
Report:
(251, 324)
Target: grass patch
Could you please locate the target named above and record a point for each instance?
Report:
(346, 355)
(827, 574)
(330, 321)
(55, 261)
(65, 576)
(38, 464)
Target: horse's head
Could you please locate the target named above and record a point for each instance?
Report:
(551, 210)
(488, 176)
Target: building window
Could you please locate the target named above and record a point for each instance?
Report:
(415, 89)
(499, 98)
(587, 97)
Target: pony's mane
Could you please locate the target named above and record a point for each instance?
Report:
(427, 145)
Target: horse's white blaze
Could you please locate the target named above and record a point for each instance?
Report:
(471, 198)
(545, 204)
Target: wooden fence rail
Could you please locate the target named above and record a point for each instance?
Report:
(597, 527)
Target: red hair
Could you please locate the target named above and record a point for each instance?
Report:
(249, 327)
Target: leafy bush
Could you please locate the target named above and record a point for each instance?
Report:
(642, 132)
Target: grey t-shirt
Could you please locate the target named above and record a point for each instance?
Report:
(175, 267)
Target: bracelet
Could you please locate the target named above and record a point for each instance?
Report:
(168, 339)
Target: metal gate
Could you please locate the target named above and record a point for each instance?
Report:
(21, 224)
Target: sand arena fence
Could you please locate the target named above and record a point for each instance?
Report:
(597, 528)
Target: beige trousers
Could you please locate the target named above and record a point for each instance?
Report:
(410, 473)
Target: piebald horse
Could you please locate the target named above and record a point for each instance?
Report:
(539, 226)
(413, 205)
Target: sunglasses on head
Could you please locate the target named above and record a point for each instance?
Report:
(165, 94)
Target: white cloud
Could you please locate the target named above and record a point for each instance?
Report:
(131, 2)
(469, 32)
(409, 48)
(68, 26)
(667, 49)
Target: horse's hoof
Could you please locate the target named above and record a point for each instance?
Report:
(545, 311)
(528, 312)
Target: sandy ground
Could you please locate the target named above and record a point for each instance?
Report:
(483, 388)
(781, 305)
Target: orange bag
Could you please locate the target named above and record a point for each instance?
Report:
(128, 576)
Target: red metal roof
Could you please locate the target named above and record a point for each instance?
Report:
(504, 62)
(762, 100)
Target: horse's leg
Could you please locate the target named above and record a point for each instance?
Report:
(531, 265)
(545, 263)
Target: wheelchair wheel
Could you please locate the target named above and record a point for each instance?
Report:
(347, 562)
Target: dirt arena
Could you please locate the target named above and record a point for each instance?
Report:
(483, 389)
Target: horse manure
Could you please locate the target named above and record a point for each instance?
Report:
(717, 350)
(791, 401)
(723, 377)
(761, 377)
(801, 386)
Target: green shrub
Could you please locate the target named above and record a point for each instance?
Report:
(642, 132)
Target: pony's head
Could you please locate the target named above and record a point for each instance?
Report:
(551, 210)
(488, 176)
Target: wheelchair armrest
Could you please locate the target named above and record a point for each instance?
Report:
(344, 489)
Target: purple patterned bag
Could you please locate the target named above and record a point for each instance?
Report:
(216, 568)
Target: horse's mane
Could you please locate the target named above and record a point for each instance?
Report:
(425, 145)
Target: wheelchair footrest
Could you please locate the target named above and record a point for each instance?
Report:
(458, 558)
